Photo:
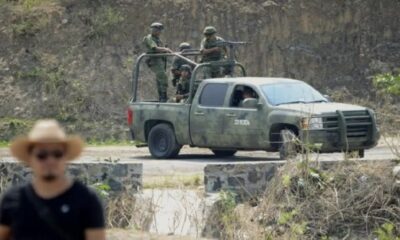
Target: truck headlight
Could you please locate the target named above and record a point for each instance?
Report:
(312, 123)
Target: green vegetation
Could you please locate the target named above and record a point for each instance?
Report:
(4, 143)
(181, 181)
(30, 4)
(102, 189)
(109, 142)
(12, 127)
(387, 232)
(388, 82)
(104, 21)
(228, 218)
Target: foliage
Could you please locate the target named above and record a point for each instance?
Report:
(102, 189)
(309, 203)
(388, 82)
(104, 21)
(386, 232)
(26, 26)
(175, 181)
(12, 127)
(227, 215)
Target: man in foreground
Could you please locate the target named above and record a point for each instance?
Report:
(51, 206)
(157, 64)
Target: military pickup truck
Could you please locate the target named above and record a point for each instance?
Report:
(231, 114)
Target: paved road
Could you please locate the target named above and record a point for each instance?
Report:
(193, 160)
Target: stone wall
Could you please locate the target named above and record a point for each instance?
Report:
(120, 177)
(241, 178)
(251, 179)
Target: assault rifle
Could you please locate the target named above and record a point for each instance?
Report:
(231, 46)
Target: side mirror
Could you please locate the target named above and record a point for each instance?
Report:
(251, 103)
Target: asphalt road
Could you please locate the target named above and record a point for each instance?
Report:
(193, 160)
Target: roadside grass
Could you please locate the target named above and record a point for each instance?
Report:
(109, 142)
(173, 181)
(4, 144)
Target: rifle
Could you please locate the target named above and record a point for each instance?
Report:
(232, 45)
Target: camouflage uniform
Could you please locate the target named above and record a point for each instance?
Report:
(212, 72)
(178, 62)
(157, 65)
(183, 86)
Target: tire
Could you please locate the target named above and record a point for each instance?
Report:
(288, 147)
(162, 142)
(223, 153)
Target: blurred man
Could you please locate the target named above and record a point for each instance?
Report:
(157, 65)
(51, 206)
(178, 62)
(211, 50)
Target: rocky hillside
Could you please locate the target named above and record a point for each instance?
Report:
(72, 59)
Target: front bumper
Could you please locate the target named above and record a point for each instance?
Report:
(343, 131)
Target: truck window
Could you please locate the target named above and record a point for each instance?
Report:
(240, 93)
(213, 94)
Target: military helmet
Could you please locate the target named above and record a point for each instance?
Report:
(184, 45)
(209, 30)
(185, 67)
(157, 25)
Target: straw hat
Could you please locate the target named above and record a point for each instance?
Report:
(46, 131)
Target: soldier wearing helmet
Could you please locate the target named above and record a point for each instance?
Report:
(183, 86)
(210, 50)
(178, 62)
(157, 65)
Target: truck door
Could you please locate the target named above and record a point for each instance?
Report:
(244, 126)
(206, 117)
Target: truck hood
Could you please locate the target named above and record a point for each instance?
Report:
(320, 108)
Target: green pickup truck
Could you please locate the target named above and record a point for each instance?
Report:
(251, 113)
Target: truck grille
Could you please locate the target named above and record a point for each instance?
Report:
(358, 124)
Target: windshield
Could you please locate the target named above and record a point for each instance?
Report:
(286, 93)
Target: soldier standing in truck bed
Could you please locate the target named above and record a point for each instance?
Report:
(211, 51)
(157, 65)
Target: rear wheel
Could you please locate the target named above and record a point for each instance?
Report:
(162, 142)
(223, 153)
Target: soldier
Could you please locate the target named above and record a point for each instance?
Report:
(157, 64)
(210, 50)
(183, 86)
(178, 62)
(247, 93)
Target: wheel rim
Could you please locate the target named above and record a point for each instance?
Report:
(161, 142)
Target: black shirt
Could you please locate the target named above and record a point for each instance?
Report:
(75, 210)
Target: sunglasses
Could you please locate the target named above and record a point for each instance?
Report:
(43, 155)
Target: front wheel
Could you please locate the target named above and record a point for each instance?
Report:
(162, 142)
(223, 153)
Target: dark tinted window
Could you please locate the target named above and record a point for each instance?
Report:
(213, 94)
